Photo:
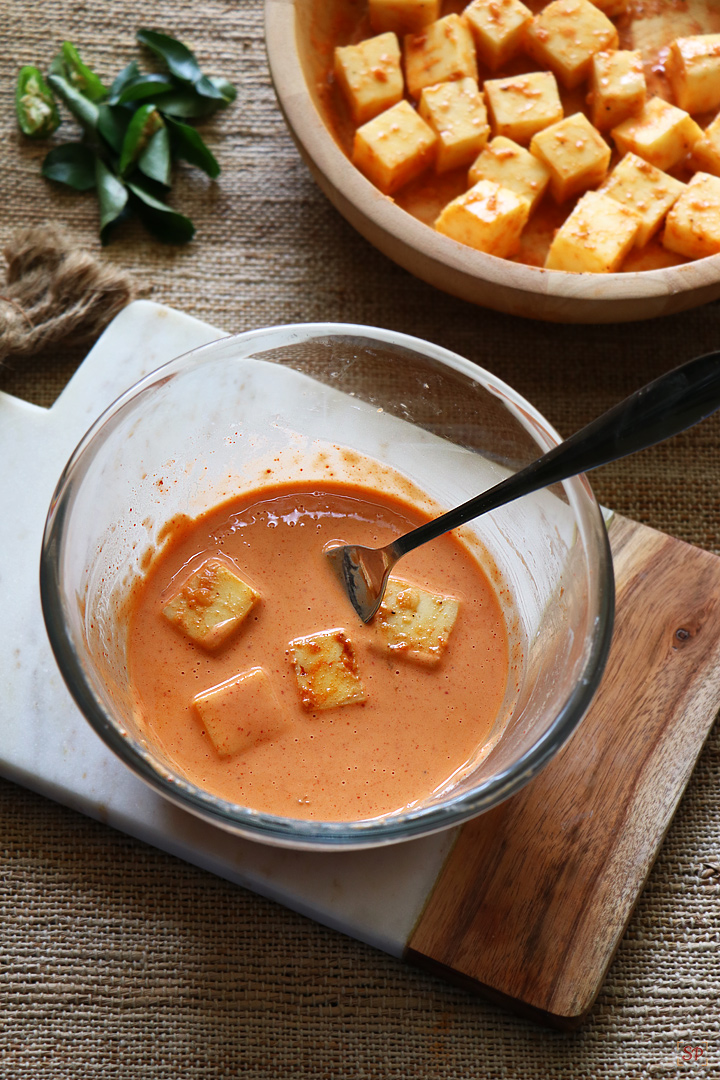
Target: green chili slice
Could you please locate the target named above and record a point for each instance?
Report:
(35, 105)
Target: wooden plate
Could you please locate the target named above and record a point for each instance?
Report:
(298, 33)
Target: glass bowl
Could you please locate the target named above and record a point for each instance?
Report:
(170, 445)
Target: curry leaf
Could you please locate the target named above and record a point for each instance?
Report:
(112, 195)
(143, 87)
(179, 59)
(82, 108)
(187, 144)
(188, 104)
(72, 164)
(127, 74)
(155, 160)
(167, 224)
(112, 125)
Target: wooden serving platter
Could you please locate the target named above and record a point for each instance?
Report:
(527, 903)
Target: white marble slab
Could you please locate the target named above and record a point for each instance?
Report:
(45, 744)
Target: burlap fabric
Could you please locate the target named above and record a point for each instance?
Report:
(119, 961)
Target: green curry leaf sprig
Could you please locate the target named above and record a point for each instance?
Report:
(133, 131)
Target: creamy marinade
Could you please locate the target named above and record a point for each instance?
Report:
(418, 719)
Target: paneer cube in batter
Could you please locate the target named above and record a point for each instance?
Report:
(646, 190)
(513, 167)
(211, 604)
(326, 670)
(456, 113)
(612, 8)
(521, 105)
(403, 16)
(575, 153)
(693, 225)
(595, 238)
(487, 217)
(442, 52)
(617, 87)
(693, 69)
(566, 35)
(498, 28)
(414, 623)
(370, 76)
(661, 134)
(240, 713)
(394, 148)
(706, 151)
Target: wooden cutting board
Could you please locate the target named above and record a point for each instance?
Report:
(527, 903)
(534, 898)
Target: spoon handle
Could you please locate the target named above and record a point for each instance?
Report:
(670, 404)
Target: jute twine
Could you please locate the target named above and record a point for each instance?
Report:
(56, 291)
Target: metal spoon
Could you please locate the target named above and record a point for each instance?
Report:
(664, 407)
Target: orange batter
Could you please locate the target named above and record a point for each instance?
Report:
(419, 723)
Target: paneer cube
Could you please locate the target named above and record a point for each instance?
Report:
(326, 670)
(646, 190)
(706, 151)
(617, 87)
(661, 134)
(512, 167)
(595, 238)
(370, 76)
(693, 69)
(456, 113)
(403, 16)
(415, 624)
(240, 713)
(521, 105)
(612, 8)
(211, 604)
(488, 217)
(394, 148)
(575, 153)
(693, 225)
(498, 27)
(442, 52)
(566, 35)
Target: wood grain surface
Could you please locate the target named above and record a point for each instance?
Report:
(533, 901)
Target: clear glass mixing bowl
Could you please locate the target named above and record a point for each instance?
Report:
(170, 445)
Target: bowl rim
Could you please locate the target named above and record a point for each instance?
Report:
(292, 832)
(354, 195)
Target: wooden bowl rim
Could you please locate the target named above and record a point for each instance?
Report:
(314, 137)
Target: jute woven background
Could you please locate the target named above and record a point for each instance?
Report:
(119, 961)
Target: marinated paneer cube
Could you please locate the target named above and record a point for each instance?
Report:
(575, 153)
(566, 35)
(498, 27)
(414, 623)
(595, 238)
(693, 225)
(211, 604)
(442, 52)
(617, 87)
(403, 16)
(326, 670)
(240, 713)
(612, 8)
(394, 148)
(661, 134)
(514, 168)
(706, 151)
(693, 69)
(487, 217)
(646, 190)
(522, 105)
(370, 76)
(456, 113)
